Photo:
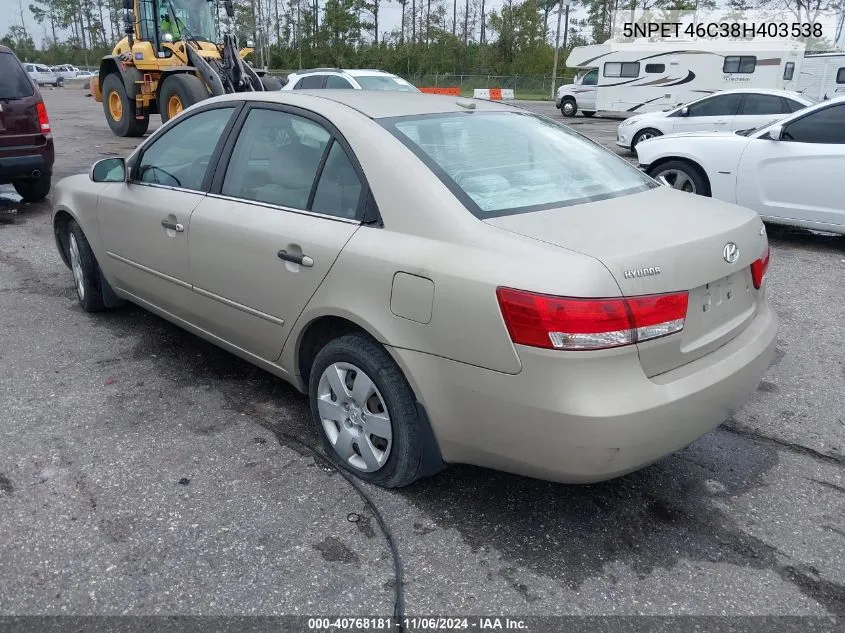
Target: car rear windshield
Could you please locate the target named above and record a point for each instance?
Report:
(502, 163)
(14, 82)
(384, 82)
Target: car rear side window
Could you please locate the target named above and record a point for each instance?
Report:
(180, 156)
(760, 104)
(276, 159)
(337, 82)
(339, 189)
(505, 162)
(840, 76)
(14, 82)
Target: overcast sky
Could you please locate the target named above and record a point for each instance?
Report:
(389, 17)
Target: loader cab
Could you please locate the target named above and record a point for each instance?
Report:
(162, 22)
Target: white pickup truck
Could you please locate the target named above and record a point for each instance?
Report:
(579, 95)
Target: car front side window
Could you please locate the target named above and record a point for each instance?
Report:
(276, 159)
(722, 105)
(181, 155)
(821, 126)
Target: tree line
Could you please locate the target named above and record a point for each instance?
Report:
(429, 36)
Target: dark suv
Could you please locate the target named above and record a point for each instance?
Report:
(26, 144)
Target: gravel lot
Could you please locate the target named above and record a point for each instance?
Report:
(143, 471)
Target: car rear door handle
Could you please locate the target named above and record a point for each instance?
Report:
(173, 226)
(296, 258)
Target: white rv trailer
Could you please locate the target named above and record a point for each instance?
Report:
(822, 76)
(644, 76)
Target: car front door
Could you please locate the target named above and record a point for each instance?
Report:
(712, 114)
(282, 207)
(796, 177)
(758, 110)
(144, 222)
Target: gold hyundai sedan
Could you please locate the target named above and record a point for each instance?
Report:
(448, 280)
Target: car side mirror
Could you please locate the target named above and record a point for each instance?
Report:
(685, 111)
(776, 132)
(109, 170)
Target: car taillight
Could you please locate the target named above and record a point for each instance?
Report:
(582, 324)
(759, 268)
(43, 119)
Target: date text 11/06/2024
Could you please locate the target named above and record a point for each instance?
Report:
(723, 29)
(418, 624)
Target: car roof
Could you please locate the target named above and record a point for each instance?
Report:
(352, 72)
(377, 104)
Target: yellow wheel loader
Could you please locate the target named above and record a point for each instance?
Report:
(169, 60)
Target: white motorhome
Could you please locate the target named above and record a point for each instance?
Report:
(644, 76)
(822, 76)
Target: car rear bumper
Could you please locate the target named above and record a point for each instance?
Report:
(15, 164)
(585, 417)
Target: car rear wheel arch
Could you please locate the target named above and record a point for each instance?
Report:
(653, 167)
(326, 333)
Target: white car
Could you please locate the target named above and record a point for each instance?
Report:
(350, 79)
(787, 172)
(42, 75)
(727, 110)
(66, 71)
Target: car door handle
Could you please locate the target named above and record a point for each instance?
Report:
(173, 226)
(296, 258)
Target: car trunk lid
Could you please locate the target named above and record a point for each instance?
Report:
(663, 241)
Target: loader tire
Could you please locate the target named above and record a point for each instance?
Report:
(179, 92)
(120, 109)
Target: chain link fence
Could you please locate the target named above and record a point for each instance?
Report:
(524, 86)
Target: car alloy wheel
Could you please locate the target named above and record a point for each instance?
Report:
(354, 417)
(676, 179)
(76, 267)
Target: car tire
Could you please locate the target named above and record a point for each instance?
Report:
(60, 82)
(568, 107)
(588, 114)
(120, 109)
(678, 172)
(644, 135)
(346, 359)
(33, 189)
(178, 92)
(86, 271)
(270, 83)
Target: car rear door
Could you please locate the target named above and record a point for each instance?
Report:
(797, 177)
(714, 114)
(143, 223)
(285, 200)
(758, 110)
